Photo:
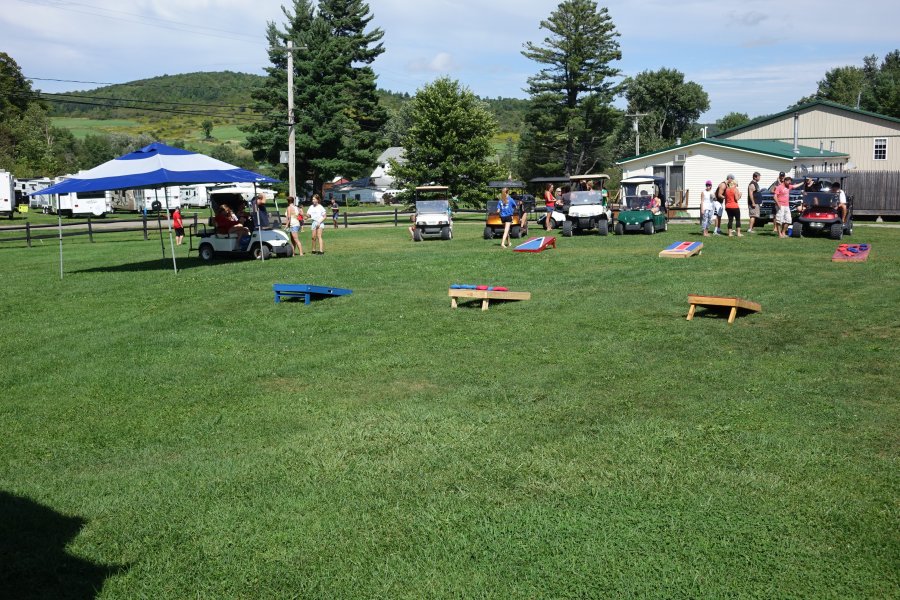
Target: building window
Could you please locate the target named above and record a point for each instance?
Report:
(880, 148)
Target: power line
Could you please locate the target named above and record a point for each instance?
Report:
(160, 102)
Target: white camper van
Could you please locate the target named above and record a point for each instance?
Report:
(7, 194)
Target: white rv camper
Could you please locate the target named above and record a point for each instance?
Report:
(196, 195)
(25, 187)
(146, 200)
(7, 194)
(75, 204)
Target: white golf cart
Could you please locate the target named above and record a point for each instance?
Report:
(433, 215)
(582, 209)
(263, 241)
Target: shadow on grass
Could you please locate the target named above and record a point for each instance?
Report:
(33, 555)
(157, 264)
(719, 312)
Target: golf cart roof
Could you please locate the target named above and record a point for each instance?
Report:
(829, 175)
(560, 179)
(432, 188)
(510, 183)
(589, 177)
(638, 179)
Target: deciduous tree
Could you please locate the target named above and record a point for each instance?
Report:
(448, 142)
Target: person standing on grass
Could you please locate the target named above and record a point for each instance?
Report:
(178, 225)
(732, 195)
(720, 202)
(707, 207)
(316, 215)
(507, 208)
(783, 200)
(549, 205)
(335, 211)
(292, 214)
(752, 204)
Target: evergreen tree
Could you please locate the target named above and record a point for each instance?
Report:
(338, 118)
(448, 142)
(570, 118)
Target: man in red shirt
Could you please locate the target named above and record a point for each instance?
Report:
(783, 200)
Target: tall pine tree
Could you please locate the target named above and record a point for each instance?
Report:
(338, 119)
(571, 118)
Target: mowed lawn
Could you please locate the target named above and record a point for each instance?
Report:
(174, 436)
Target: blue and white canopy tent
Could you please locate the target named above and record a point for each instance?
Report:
(153, 166)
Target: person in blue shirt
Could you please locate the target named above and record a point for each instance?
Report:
(507, 208)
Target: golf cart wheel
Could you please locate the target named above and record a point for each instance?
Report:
(417, 235)
(260, 251)
(603, 227)
(620, 229)
(207, 253)
(445, 232)
(515, 232)
(488, 233)
(649, 229)
(797, 230)
(290, 252)
(837, 231)
(553, 223)
(848, 229)
(567, 228)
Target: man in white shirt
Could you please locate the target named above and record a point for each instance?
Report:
(707, 208)
(842, 198)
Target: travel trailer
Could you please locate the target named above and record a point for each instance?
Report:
(196, 195)
(25, 187)
(149, 200)
(7, 194)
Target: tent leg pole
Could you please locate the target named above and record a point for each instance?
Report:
(169, 221)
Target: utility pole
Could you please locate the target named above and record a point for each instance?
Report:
(637, 132)
(292, 137)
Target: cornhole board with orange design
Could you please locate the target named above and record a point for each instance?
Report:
(682, 250)
(485, 296)
(718, 301)
(851, 253)
(537, 244)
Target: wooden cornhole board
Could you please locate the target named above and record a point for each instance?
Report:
(734, 303)
(682, 250)
(485, 296)
(851, 253)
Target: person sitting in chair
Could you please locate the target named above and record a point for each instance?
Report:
(227, 223)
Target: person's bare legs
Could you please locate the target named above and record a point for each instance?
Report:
(504, 242)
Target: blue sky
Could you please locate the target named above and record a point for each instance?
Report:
(752, 56)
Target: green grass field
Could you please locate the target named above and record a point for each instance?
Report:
(174, 436)
(80, 127)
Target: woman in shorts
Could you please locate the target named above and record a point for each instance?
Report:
(507, 208)
(316, 216)
(292, 213)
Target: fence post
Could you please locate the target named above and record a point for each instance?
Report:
(28, 232)
(396, 222)
(195, 222)
(90, 230)
(144, 220)
(345, 219)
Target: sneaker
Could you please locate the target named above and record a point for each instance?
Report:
(749, 231)
(716, 232)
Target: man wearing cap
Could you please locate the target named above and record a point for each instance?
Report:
(720, 202)
(783, 208)
(752, 204)
(707, 207)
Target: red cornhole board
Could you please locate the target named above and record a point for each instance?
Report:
(851, 253)
(682, 250)
(537, 244)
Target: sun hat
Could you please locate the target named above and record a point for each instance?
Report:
(708, 182)
(730, 176)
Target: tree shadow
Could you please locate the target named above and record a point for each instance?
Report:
(157, 264)
(33, 558)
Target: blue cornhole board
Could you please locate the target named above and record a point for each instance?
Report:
(682, 249)
(293, 290)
